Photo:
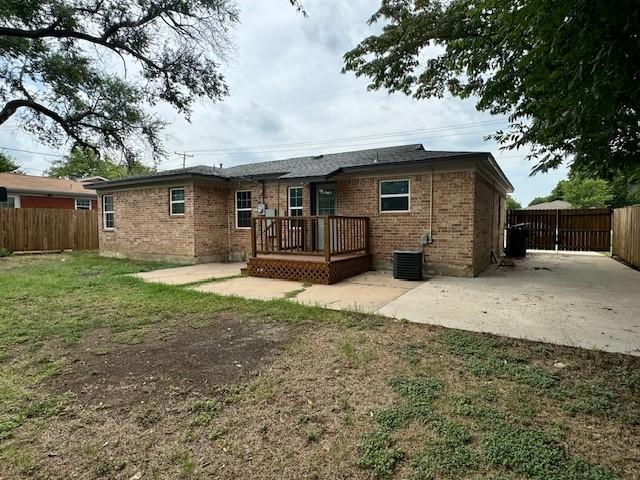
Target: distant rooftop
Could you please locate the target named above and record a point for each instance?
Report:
(17, 182)
(553, 205)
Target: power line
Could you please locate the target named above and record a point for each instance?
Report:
(271, 155)
(315, 148)
(362, 137)
(32, 152)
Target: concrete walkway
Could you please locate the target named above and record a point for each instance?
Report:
(367, 292)
(192, 273)
(588, 301)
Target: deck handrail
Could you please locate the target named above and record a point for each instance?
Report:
(325, 235)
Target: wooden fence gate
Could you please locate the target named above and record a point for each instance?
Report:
(626, 234)
(587, 229)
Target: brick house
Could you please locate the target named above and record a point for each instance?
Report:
(30, 191)
(450, 205)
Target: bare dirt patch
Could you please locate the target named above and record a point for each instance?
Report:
(168, 363)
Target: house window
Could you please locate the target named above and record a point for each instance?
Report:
(295, 201)
(12, 202)
(108, 220)
(176, 201)
(394, 196)
(243, 209)
(83, 204)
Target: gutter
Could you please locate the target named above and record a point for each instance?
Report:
(154, 179)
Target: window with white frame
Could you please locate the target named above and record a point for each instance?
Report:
(83, 204)
(176, 201)
(295, 201)
(108, 219)
(243, 209)
(394, 196)
(12, 202)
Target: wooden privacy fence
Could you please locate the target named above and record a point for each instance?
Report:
(626, 234)
(42, 229)
(567, 229)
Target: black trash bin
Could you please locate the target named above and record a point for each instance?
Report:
(517, 240)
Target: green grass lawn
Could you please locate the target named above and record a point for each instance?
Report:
(105, 376)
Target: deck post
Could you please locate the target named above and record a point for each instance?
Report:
(327, 239)
(254, 242)
(278, 233)
(366, 236)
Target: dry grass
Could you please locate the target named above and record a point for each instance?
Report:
(355, 397)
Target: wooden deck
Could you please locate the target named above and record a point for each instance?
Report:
(309, 249)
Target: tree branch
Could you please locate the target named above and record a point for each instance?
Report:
(12, 106)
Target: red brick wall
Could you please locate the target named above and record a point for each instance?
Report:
(32, 201)
(488, 222)
(145, 229)
(462, 236)
(211, 236)
(27, 201)
(275, 196)
(452, 248)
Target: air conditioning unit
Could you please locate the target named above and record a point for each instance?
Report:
(407, 264)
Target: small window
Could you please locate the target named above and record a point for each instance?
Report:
(108, 220)
(176, 201)
(394, 196)
(12, 202)
(243, 209)
(83, 204)
(295, 201)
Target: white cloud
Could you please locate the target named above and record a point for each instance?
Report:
(286, 87)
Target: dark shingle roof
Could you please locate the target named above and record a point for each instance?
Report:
(198, 170)
(310, 167)
(328, 164)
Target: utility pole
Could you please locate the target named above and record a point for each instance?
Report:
(184, 156)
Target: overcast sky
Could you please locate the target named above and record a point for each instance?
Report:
(286, 88)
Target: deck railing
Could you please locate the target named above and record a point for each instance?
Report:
(317, 235)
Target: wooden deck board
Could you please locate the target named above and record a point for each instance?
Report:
(310, 258)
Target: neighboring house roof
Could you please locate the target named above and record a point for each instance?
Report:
(554, 205)
(93, 179)
(19, 183)
(318, 167)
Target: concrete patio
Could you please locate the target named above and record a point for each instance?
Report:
(367, 292)
(585, 300)
(192, 273)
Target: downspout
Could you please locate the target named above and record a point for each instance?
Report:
(229, 227)
(493, 259)
(430, 239)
